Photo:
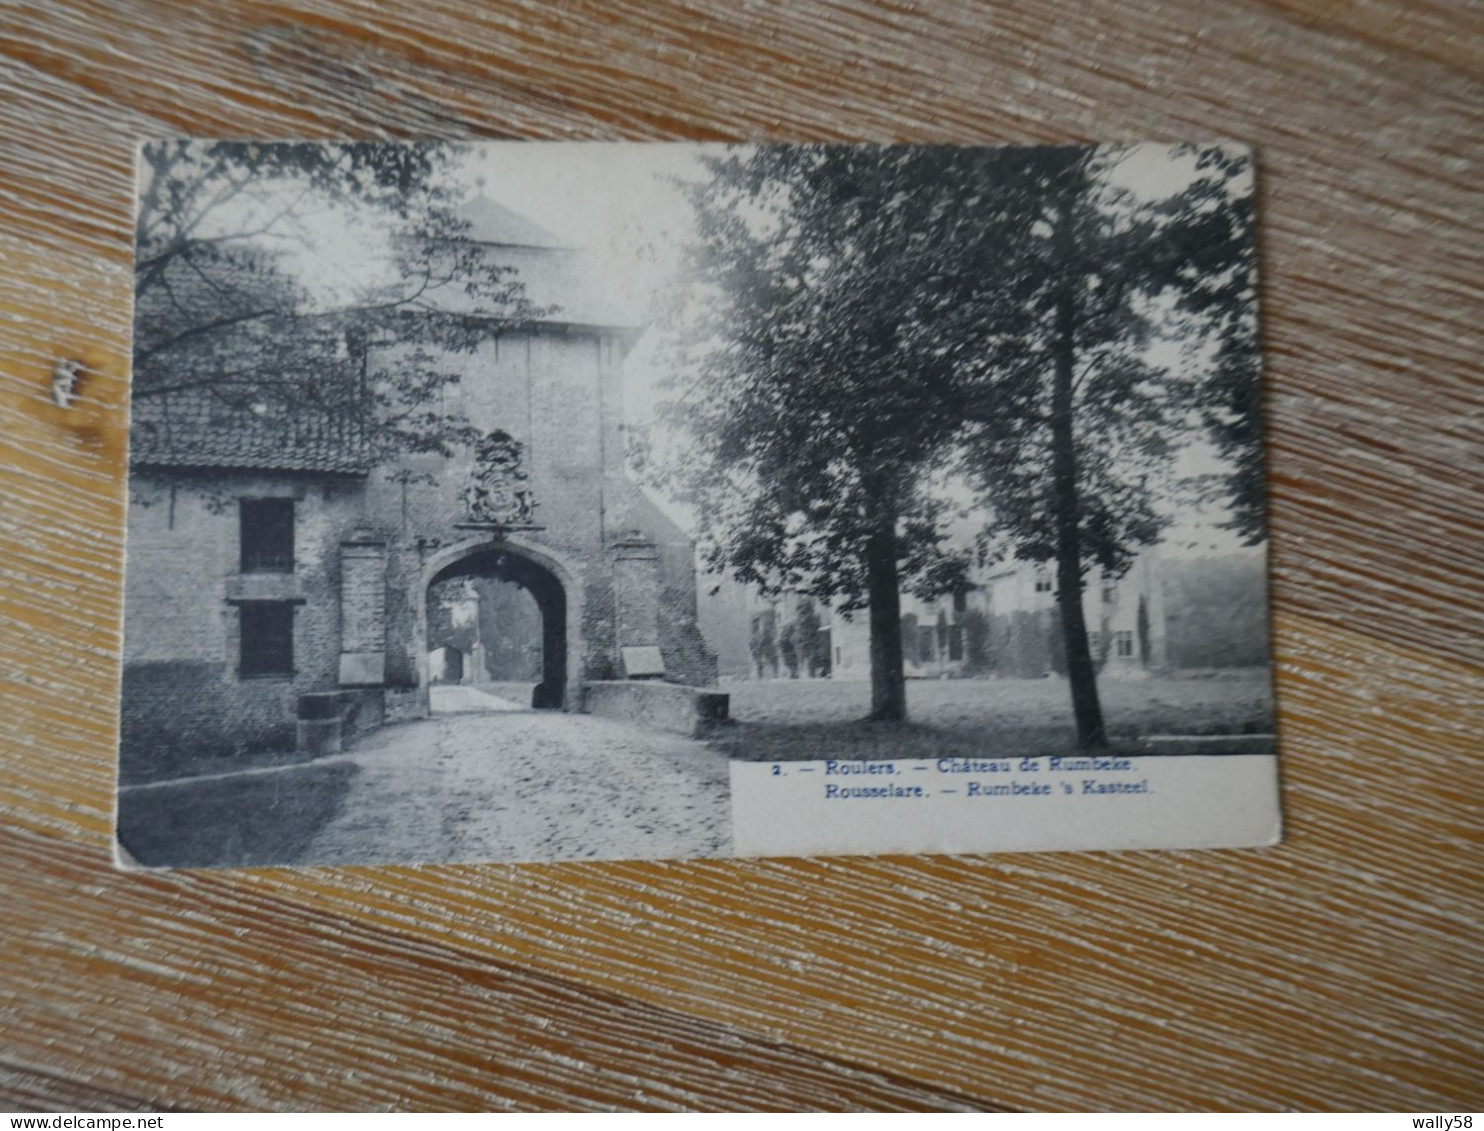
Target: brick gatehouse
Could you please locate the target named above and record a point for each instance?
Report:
(269, 558)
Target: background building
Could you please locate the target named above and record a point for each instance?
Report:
(1169, 612)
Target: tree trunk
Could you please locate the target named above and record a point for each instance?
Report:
(888, 683)
(1081, 673)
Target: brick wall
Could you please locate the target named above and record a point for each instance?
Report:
(183, 697)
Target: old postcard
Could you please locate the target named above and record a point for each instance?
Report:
(529, 502)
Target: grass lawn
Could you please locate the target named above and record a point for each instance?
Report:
(794, 720)
(241, 820)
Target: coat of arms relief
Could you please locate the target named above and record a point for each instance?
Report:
(498, 491)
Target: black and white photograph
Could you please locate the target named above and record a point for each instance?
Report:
(588, 501)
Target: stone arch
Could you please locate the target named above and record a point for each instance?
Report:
(554, 583)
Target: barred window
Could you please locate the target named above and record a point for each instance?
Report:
(267, 535)
(1123, 643)
(267, 639)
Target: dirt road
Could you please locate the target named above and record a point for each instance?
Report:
(492, 783)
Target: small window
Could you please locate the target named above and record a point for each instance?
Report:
(267, 529)
(267, 639)
(1043, 583)
(961, 601)
(925, 649)
(956, 642)
(1094, 638)
(1110, 594)
(1123, 644)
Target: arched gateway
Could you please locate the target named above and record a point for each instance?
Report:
(549, 582)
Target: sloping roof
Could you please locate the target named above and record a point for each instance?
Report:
(633, 506)
(194, 428)
(192, 412)
(492, 223)
(558, 276)
(560, 282)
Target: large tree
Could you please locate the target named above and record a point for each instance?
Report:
(821, 337)
(1073, 460)
(226, 311)
(1212, 266)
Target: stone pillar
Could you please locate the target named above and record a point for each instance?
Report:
(636, 590)
(321, 729)
(362, 610)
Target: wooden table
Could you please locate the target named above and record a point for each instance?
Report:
(1341, 970)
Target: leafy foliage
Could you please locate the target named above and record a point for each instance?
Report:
(859, 323)
(1138, 271)
(224, 314)
(828, 308)
(1217, 289)
(818, 355)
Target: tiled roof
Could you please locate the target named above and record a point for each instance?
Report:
(215, 423)
(195, 429)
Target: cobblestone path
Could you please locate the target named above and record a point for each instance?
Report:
(526, 785)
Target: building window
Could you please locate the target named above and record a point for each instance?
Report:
(1110, 594)
(267, 535)
(1094, 638)
(1123, 644)
(925, 649)
(956, 642)
(1043, 583)
(961, 601)
(267, 639)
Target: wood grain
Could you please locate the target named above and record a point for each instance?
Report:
(1340, 970)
